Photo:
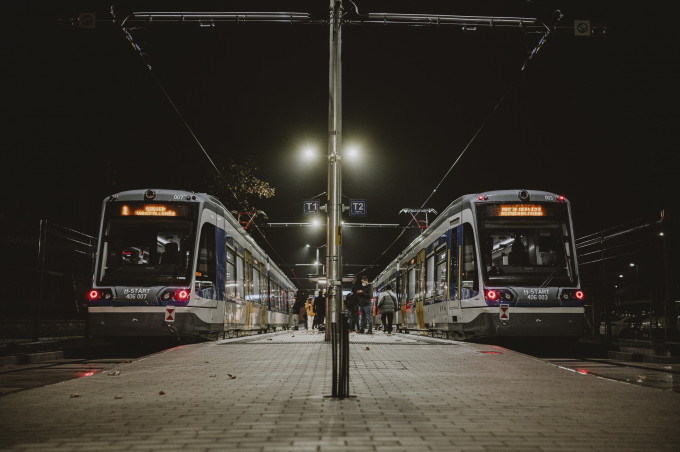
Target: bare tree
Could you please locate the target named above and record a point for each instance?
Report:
(240, 186)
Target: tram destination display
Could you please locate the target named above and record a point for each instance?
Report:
(151, 210)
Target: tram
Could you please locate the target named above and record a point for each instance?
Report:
(173, 262)
(500, 263)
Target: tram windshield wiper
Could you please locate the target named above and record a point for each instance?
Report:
(550, 277)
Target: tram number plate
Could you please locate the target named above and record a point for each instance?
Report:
(537, 294)
(135, 294)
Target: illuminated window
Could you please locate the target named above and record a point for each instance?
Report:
(429, 277)
(207, 262)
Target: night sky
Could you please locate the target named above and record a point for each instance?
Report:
(595, 119)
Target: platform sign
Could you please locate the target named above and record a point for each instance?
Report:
(170, 314)
(504, 312)
(357, 207)
(311, 206)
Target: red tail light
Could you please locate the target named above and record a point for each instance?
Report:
(94, 294)
(491, 294)
(579, 295)
(180, 297)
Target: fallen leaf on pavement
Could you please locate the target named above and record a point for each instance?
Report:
(161, 393)
(367, 348)
(118, 397)
(114, 373)
(231, 376)
(74, 395)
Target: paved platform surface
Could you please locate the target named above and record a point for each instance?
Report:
(268, 393)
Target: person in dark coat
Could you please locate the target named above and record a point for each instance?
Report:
(295, 310)
(365, 294)
(320, 309)
(352, 311)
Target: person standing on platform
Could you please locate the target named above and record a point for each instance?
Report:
(364, 294)
(303, 312)
(320, 309)
(295, 311)
(387, 303)
(309, 306)
(352, 309)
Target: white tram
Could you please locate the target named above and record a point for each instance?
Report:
(500, 263)
(172, 262)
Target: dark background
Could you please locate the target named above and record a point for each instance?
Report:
(592, 118)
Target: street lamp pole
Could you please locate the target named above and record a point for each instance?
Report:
(334, 210)
(318, 262)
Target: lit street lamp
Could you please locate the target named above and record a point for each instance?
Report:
(318, 262)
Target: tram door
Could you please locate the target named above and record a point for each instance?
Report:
(420, 290)
(468, 282)
(248, 289)
(404, 294)
(263, 296)
(455, 256)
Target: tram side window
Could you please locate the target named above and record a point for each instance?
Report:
(277, 297)
(239, 277)
(411, 284)
(429, 277)
(469, 273)
(206, 269)
(273, 294)
(256, 284)
(264, 295)
(454, 264)
(231, 274)
(440, 284)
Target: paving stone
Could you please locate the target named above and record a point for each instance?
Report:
(411, 393)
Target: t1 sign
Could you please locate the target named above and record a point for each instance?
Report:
(311, 206)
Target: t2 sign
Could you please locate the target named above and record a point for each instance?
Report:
(357, 207)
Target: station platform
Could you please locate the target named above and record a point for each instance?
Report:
(270, 393)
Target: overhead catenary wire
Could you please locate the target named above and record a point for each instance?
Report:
(139, 51)
(474, 137)
(467, 146)
(557, 16)
(511, 85)
(370, 18)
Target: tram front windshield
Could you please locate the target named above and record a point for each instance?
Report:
(147, 244)
(526, 245)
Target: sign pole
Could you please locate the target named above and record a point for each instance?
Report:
(334, 209)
